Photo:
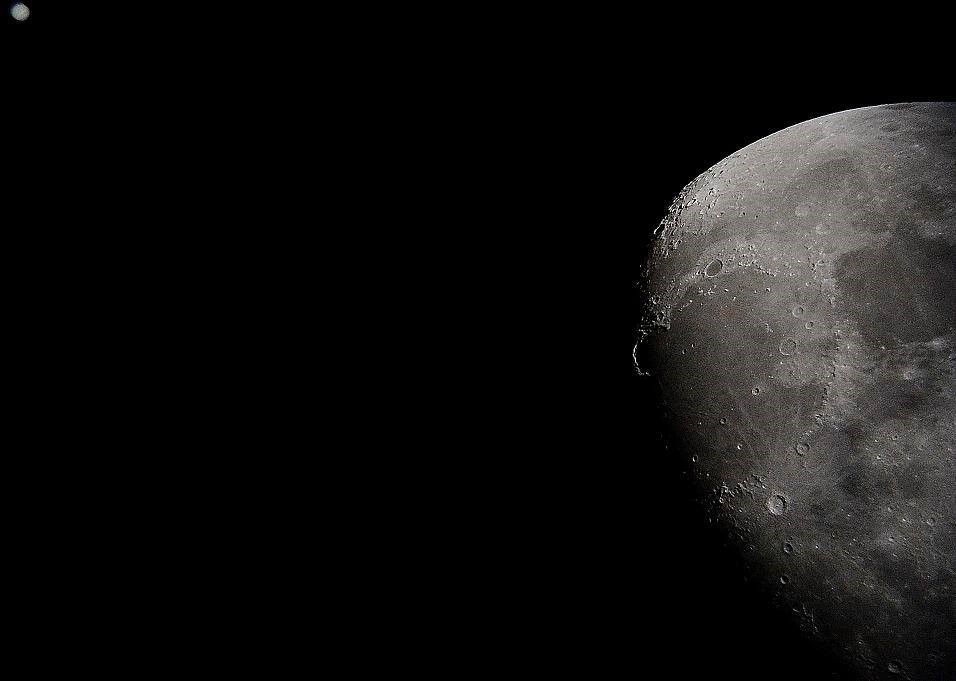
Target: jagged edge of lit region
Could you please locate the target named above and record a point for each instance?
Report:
(644, 329)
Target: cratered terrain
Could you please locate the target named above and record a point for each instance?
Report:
(798, 322)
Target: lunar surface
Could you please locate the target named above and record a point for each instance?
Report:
(798, 321)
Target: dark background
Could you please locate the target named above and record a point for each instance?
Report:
(642, 583)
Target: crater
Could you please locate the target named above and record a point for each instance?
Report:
(714, 268)
(777, 503)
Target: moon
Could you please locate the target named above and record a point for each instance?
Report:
(20, 12)
(798, 322)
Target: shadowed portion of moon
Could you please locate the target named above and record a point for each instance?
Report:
(799, 324)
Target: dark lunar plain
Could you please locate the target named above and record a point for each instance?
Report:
(739, 575)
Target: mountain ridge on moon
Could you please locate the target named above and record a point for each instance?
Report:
(800, 299)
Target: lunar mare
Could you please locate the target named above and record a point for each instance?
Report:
(799, 325)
